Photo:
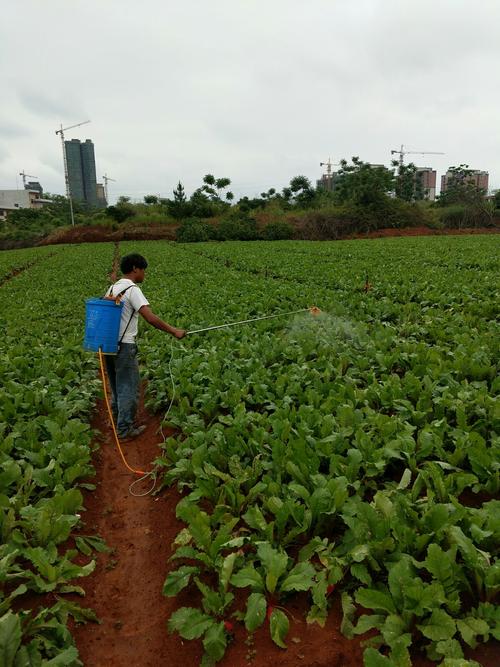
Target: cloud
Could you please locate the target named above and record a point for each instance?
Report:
(259, 91)
(41, 104)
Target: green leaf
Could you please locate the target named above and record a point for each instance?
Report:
(439, 626)
(372, 658)
(317, 615)
(227, 570)
(393, 628)
(66, 658)
(278, 624)
(189, 622)
(348, 609)
(301, 578)
(470, 627)
(178, 579)
(255, 519)
(368, 622)
(274, 562)
(373, 599)
(10, 638)
(215, 641)
(256, 611)
(248, 576)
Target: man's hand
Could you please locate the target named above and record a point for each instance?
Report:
(156, 322)
(180, 333)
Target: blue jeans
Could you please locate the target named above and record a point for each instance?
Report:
(123, 374)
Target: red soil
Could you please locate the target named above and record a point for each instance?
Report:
(125, 590)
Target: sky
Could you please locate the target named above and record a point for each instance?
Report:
(258, 91)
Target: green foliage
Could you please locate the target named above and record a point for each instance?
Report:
(121, 212)
(354, 453)
(408, 182)
(461, 188)
(362, 184)
(193, 230)
(49, 387)
(276, 231)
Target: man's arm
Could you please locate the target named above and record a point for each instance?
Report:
(156, 322)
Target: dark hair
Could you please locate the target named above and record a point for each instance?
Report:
(131, 262)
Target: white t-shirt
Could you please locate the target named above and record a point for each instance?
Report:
(132, 300)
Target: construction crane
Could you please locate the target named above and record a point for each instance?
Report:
(107, 178)
(61, 131)
(25, 176)
(329, 166)
(401, 152)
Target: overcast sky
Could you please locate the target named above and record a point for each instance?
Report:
(255, 90)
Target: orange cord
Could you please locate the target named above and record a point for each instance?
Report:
(104, 384)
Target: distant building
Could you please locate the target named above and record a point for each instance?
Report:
(329, 181)
(428, 178)
(13, 200)
(476, 177)
(80, 160)
(34, 185)
(101, 196)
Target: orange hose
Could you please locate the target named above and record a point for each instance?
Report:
(104, 384)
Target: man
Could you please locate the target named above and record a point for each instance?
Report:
(123, 368)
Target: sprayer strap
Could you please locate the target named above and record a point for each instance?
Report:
(133, 309)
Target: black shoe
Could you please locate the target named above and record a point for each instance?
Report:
(132, 433)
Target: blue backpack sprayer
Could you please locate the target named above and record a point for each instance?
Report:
(102, 327)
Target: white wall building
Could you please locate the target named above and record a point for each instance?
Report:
(13, 200)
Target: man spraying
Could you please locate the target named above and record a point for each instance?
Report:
(123, 368)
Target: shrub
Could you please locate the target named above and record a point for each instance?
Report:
(237, 228)
(120, 212)
(193, 230)
(277, 231)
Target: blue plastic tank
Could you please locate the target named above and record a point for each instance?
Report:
(102, 325)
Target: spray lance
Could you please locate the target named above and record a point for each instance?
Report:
(313, 310)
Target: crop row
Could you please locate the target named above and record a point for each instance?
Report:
(13, 261)
(49, 386)
(352, 454)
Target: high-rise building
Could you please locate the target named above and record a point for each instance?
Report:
(475, 176)
(428, 177)
(80, 159)
(101, 196)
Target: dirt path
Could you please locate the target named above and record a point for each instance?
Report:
(126, 588)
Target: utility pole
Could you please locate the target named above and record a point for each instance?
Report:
(107, 178)
(25, 176)
(66, 176)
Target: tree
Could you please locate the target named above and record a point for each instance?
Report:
(179, 208)
(213, 188)
(461, 188)
(363, 184)
(409, 182)
(123, 199)
(150, 199)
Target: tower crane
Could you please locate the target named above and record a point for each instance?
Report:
(329, 166)
(107, 178)
(25, 176)
(61, 131)
(401, 152)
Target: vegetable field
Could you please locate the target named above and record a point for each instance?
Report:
(350, 458)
